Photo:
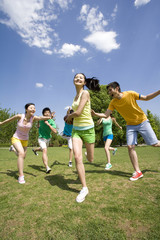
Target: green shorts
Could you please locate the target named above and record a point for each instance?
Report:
(87, 136)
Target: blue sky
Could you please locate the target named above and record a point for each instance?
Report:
(43, 43)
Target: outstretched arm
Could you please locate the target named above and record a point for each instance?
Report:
(15, 117)
(150, 96)
(101, 115)
(38, 118)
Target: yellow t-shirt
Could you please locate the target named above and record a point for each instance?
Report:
(128, 108)
(85, 119)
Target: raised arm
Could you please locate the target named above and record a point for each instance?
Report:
(150, 96)
(15, 117)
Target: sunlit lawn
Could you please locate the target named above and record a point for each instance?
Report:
(45, 207)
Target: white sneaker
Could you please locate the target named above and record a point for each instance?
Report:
(81, 196)
(70, 164)
(86, 155)
(48, 170)
(21, 180)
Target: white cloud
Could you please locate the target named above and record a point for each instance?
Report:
(94, 20)
(139, 3)
(69, 50)
(95, 23)
(103, 41)
(39, 85)
(113, 15)
(31, 20)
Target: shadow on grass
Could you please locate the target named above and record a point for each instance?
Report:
(14, 174)
(42, 168)
(61, 182)
(111, 172)
(118, 173)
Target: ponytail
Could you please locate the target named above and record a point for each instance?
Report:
(92, 84)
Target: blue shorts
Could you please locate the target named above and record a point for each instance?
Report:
(145, 130)
(110, 136)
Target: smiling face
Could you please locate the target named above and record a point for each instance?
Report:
(31, 110)
(79, 80)
(47, 113)
(113, 92)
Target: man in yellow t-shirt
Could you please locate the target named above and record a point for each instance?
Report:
(136, 120)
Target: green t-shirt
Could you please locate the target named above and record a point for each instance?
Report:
(44, 129)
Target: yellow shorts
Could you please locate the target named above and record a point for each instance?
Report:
(23, 142)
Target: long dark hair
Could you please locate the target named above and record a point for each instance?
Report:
(91, 83)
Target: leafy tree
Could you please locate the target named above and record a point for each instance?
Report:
(7, 130)
(99, 102)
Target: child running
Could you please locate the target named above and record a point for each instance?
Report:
(21, 136)
(83, 127)
(126, 104)
(108, 137)
(45, 129)
(67, 134)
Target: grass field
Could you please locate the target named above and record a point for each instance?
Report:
(45, 208)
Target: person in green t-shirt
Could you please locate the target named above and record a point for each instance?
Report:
(45, 129)
(108, 137)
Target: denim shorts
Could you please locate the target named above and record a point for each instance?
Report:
(87, 136)
(110, 136)
(145, 130)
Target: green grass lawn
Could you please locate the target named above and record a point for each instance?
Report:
(45, 207)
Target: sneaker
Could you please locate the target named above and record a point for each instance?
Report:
(81, 196)
(48, 170)
(108, 166)
(35, 152)
(11, 148)
(21, 180)
(136, 176)
(114, 152)
(70, 164)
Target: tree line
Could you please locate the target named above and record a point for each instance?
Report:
(99, 102)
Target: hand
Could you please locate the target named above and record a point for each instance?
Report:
(53, 115)
(93, 112)
(47, 123)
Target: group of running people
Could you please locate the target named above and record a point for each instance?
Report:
(79, 121)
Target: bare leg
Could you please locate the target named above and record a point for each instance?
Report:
(133, 157)
(70, 154)
(90, 151)
(107, 148)
(45, 157)
(21, 153)
(77, 148)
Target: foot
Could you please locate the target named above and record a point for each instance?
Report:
(48, 170)
(136, 176)
(35, 152)
(21, 180)
(114, 151)
(70, 164)
(81, 196)
(11, 149)
(108, 166)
